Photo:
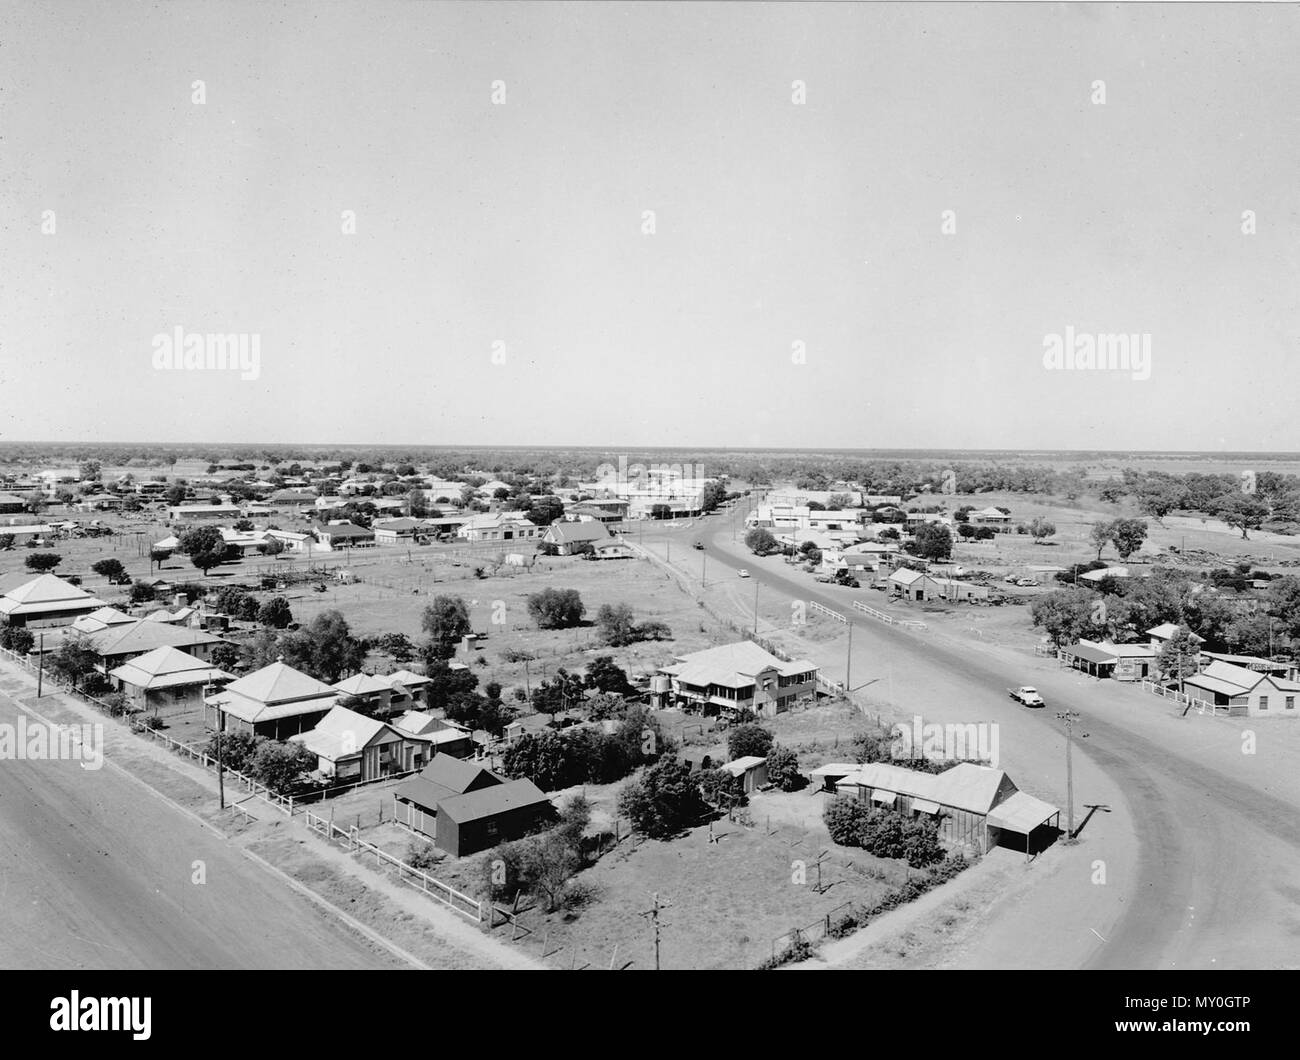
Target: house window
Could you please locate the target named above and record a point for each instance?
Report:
(1290, 702)
(1263, 702)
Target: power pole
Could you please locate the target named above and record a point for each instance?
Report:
(40, 668)
(755, 607)
(221, 762)
(704, 576)
(1070, 717)
(848, 666)
(653, 914)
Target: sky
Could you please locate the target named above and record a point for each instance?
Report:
(616, 224)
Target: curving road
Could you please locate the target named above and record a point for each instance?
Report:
(1212, 879)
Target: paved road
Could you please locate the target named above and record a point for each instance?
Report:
(1218, 858)
(95, 872)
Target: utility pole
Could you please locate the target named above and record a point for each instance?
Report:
(755, 607)
(704, 575)
(40, 668)
(653, 914)
(221, 762)
(848, 666)
(1070, 717)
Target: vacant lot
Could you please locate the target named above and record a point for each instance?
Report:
(728, 901)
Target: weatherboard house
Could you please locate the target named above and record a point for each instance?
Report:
(465, 808)
(732, 678)
(276, 701)
(45, 601)
(970, 804)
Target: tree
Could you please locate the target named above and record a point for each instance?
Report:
(1100, 535)
(200, 539)
(16, 639)
(446, 683)
(74, 660)
(1040, 528)
(398, 646)
(1159, 498)
(545, 510)
(713, 494)
(1065, 614)
(663, 802)
(844, 816)
(783, 769)
(42, 561)
(446, 621)
(275, 613)
(761, 542)
(141, 593)
(607, 676)
(237, 748)
(90, 470)
(561, 692)
(931, 541)
(6, 542)
(111, 569)
(280, 765)
(556, 608)
(272, 546)
(1128, 535)
(325, 648)
(1178, 656)
(225, 656)
(544, 759)
(1242, 512)
(749, 739)
(615, 625)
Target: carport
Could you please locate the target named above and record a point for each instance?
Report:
(1022, 814)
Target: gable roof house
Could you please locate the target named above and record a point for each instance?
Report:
(564, 536)
(975, 805)
(465, 808)
(276, 701)
(45, 601)
(914, 585)
(375, 692)
(427, 736)
(352, 748)
(1243, 692)
(990, 517)
(498, 526)
(396, 531)
(333, 536)
(734, 677)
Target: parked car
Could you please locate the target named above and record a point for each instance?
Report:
(743, 573)
(699, 545)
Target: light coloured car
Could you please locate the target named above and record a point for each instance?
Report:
(743, 573)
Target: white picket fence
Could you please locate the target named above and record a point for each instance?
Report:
(813, 605)
(889, 620)
(1182, 698)
(468, 907)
